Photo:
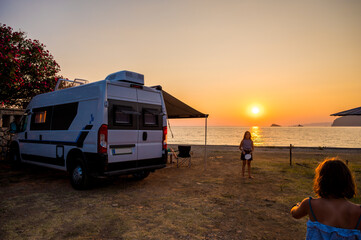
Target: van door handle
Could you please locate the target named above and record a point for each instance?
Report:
(145, 136)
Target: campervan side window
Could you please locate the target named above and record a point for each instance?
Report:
(123, 115)
(41, 118)
(63, 116)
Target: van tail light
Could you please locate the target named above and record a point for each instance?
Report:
(165, 138)
(103, 139)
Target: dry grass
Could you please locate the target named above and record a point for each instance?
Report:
(172, 203)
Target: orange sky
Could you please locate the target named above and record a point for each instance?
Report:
(299, 61)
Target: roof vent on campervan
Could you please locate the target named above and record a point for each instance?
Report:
(126, 76)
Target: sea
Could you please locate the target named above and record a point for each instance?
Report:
(338, 137)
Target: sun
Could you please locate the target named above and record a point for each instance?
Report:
(255, 110)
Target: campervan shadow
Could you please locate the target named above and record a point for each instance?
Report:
(111, 127)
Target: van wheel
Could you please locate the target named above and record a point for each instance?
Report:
(141, 175)
(79, 175)
(14, 156)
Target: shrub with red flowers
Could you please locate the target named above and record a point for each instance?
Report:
(26, 68)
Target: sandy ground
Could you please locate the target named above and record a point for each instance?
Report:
(172, 203)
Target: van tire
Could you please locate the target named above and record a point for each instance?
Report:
(79, 177)
(140, 175)
(14, 157)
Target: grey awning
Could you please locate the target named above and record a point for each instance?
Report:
(178, 109)
(354, 111)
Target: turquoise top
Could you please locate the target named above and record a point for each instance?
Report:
(319, 231)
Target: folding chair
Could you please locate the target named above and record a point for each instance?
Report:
(184, 155)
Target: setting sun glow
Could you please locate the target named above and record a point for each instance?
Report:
(197, 51)
(255, 110)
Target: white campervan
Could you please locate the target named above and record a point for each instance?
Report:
(110, 127)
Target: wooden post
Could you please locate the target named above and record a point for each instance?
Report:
(205, 144)
(291, 154)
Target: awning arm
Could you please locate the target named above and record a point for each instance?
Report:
(205, 142)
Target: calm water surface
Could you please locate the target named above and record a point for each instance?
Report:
(348, 137)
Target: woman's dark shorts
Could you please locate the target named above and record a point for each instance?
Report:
(243, 155)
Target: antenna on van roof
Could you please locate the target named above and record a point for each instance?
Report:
(66, 83)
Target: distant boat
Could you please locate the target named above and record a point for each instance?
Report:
(299, 125)
(275, 125)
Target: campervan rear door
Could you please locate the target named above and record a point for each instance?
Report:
(150, 124)
(123, 117)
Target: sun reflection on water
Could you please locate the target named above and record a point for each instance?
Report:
(256, 133)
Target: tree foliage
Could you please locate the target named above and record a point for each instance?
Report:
(26, 68)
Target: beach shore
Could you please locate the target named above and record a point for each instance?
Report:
(209, 200)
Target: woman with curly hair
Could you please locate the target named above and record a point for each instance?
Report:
(331, 215)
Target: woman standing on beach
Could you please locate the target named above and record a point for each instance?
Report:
(246, 148)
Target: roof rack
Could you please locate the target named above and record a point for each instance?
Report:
(66, 83)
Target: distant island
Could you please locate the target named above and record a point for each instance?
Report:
(347, 121)
(275, 125)
(318, 124)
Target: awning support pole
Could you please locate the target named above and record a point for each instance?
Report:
(205, 144)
